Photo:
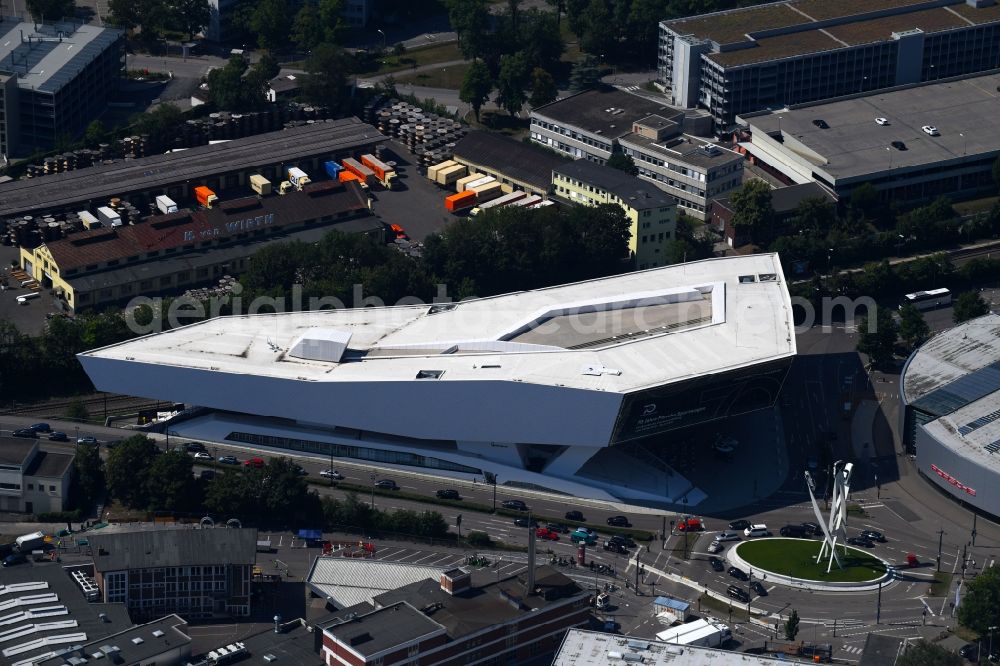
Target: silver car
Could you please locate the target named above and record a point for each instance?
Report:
(715, 547)
(727, 536)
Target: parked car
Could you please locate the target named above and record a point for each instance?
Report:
(758, 588)
(811, 528)
(615, 547)
(194, 447)
(16, 558)
(386, 484)
(229, 460)
(558, 527)
(56, 436)
(331, 474)
(738, 593)
(583, 534)
(873, 535)
(689, 525)
(301, 471)
(448, 493)
(758, 530)
(201, 455)
(256, 463)
(575, 515)
(882, 121)
(726, 535)
(794, 531)
(739, 525)
(619, 521)
(526, 522)
(86, 440)
(822, 124)
(716, 564)
(738, 573)
(931, 130)
(514, 505)
(545, 533)
(861, 541)
(27, 433)
(715, 547)
(40, 427)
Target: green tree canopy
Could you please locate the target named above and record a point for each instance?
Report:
(597, 39)
(476, 86)
(191, 16)
(89, 479)
(50, 10)
(235, 88)
(752, 205)
(307, 33)
(127, 470)
(980, 607)
(969, 305)
(170, 483)
(331, 18)
(792, 625)
(511, 82)
(584, 75)
(470, 19)
(325, 82)
(271, 23)
(623, 162)
(925, 653)
(912, 327)
(877, 339)
(543, 88)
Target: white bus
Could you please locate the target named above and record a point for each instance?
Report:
(928, 300)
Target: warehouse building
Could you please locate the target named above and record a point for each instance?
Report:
(197, 573)
(222, 167)
(928, 141)
(782, 53)
(165, 253)
(652, 213)
(951, 411)
(54, 79)
(518, 166)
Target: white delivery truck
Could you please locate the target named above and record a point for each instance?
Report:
(29, 542)
(109, 217)
(166, 204)
(700, 633)
(298, 177)
(89, 220)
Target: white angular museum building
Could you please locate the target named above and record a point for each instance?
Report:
(529, 386)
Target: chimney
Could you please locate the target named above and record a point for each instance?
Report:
(530, 585)
(455, 581)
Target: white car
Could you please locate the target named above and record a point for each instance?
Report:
(201, 455)
(331, 474)
(930, 129)
(727, 536)
(881, 121)
(715, 547)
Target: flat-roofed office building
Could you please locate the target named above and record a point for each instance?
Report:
(781, 53)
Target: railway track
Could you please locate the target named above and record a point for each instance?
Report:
(95, 404)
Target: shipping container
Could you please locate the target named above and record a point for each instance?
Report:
(527, 201)
(385, 173)
(346, 175)
(499, 202)
(432, 171)
(205, 196)
(482, 180)
(463, 182)
(543, 203)
(260, 185)
(700, 633)
(448, 176)
(489, 191)
(298, 177)
(88, 219)
(166, 204)
(460, 201)
(333, 169)
(366, 175)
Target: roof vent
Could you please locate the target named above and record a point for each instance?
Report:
(157, 633)
(430, 374)
(321, 344)
(138, 640)
(747, 279)
(441, 307)
(270, 657)
(617, 112)
(767, 277)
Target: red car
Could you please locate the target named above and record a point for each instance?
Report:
(546, 533)
(689, 525)
(254, 462)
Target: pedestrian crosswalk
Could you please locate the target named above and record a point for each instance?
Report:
(633, 88)
(852, 649)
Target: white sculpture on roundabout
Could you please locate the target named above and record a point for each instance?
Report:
(837, 520)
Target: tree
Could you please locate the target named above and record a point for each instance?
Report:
(980, 607)
(127, 470)
(969, 305)
(325, 82)
(476, 86)
(575, 16)
(151, 15)
(560, 7)
(50, 10)
(538, 37)
(623, 162)
(752, 206)
(77, 411)
(815, 214)
(912, 327)
(191, 16)
(170, 483)
(307, 33)
(267, 67)
(792, 625)
(89, 475)
(584, 74)
(877, 339)
(511, 83)
(95, 134)
(597, 39)
(543, 88)
(271, 24)
(471, 20)
(331, 18)
(925, 653)
(232, 88)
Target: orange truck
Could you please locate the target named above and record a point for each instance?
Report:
(346, 175)
(205, 196)
(366, 175)
(385, 173)
(460, 201)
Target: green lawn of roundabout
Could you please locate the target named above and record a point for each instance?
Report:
(797, 558)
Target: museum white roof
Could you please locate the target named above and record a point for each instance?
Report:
(618, 334)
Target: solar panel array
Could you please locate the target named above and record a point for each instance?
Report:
(961, 392)
(979, 423)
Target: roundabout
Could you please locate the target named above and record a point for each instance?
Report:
(792, 562)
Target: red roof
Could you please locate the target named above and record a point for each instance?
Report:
(187, 228)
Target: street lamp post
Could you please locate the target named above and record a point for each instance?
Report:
(383, 38)
(973, 528)
(373, 491)
(991, 630)
(495, 493)
(331, 463)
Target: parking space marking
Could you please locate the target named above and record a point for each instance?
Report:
(427, 557)
(386, 554)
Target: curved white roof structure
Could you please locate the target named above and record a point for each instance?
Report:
(552, 366)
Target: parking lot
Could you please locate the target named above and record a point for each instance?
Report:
(28, 318)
